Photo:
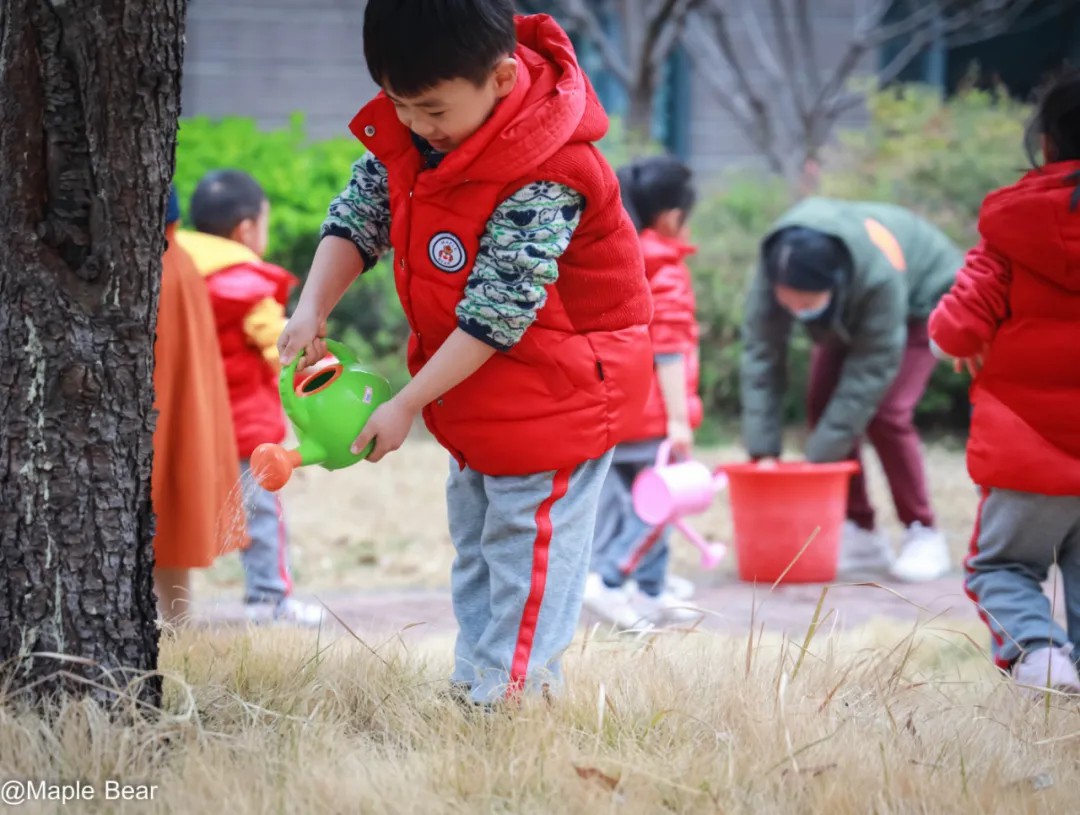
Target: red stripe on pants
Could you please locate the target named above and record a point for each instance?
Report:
(643, 549)
(541, 553)
(973, 550)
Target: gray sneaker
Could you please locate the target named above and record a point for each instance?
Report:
(285, 611)
(1048, 667)
(924, 555)
(865, 554)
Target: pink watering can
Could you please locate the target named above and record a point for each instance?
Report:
(669, 492)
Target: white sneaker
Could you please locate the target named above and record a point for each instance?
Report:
(612, 605)
(923, 555)
(285, 611)
(679, 587)
(864, 553)
(664, 608)
(1048, 667)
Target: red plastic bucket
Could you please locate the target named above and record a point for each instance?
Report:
(777, 509)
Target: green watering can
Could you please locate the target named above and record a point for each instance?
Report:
(328, 410)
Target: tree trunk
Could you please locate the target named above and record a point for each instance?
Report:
(91, 95)
(639, 115)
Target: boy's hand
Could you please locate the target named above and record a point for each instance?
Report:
(389, 425)
(681, 439)
(303, 333)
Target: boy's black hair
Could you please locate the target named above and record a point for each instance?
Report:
(223, 199)
(805, 259)
(412, 45)
(654, 185)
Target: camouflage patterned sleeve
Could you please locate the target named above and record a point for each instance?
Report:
(517, 260)
(361, 213)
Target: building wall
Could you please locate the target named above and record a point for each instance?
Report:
(270, 58)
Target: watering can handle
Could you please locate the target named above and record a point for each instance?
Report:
(663, 454)
(341, 351)
(287, 389)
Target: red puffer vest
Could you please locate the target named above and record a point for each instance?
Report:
(575, 384)
(674, 327)
(237, 281)
(1025, 434)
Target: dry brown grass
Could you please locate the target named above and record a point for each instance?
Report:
(882, 720)
(384, 525)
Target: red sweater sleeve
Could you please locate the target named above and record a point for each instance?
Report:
(968, 316)
(672, 327)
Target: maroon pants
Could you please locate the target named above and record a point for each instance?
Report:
(891, 431)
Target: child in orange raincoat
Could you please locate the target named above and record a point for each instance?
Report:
(195, 468)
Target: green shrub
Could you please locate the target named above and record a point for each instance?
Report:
(726, 228)
(938, 157)
(300, 178)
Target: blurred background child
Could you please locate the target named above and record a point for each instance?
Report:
(195, 467)
(659, 195)
(248, 295)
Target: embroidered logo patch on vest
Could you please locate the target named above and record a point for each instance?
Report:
(447, 252)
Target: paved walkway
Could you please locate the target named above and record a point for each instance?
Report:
(731, 607)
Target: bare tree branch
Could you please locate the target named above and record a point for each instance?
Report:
(924, 15)
(870, 20)
(1046, 11)
(756, 34)
(668, 37)
(703, 50)
(649, 32)
(788, 55)
(806, 38)
(845, 102)
(903, 58)
(580, 14)
(654, 30)
(713, 44)
(789, 125)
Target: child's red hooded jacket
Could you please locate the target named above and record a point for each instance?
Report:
(248, 296)
(674, 327)
(575, 385)
(1019, 293)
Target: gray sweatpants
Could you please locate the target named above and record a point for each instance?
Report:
(1018, 536)
(523, 547)
(266, 560)
(620, 532)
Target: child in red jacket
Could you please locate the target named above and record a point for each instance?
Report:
(524, 288)
(248, 295)
(1013, 320)
(658, 194)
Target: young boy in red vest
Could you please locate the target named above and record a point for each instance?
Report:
(524, 286)
(248, 295)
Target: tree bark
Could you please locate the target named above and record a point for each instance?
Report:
(91, 95)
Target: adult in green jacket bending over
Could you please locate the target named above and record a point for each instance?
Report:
(862, 278)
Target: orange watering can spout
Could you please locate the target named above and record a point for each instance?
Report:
(273, 465)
